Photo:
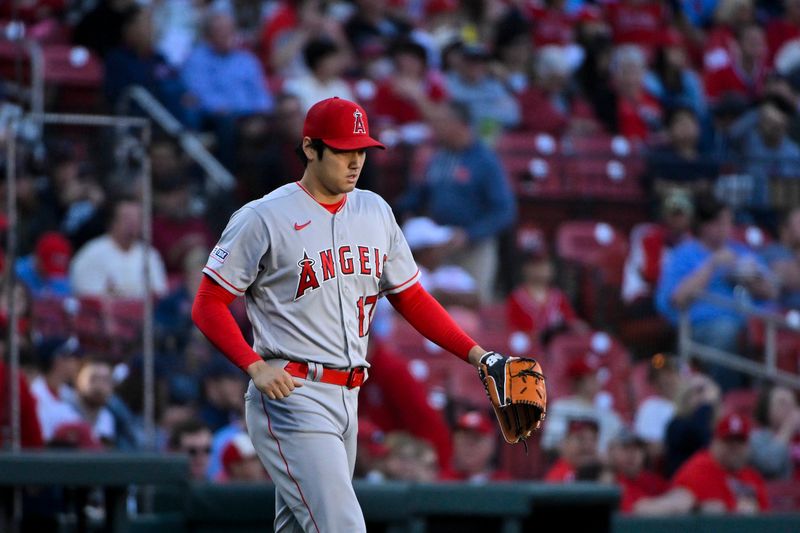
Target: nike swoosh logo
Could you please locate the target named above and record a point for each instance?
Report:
(298, 227)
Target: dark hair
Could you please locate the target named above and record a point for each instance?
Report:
(405, 46)
(316, 144)
(317, 50)
(186, 427)
(706, 209)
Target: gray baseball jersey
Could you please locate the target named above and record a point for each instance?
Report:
(311, 278)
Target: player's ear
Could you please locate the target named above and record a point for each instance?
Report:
(308, 149)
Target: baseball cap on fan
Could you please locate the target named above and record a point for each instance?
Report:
(339, 123)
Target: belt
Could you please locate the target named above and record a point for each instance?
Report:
(351, 379)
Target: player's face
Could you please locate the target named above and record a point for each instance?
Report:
(337, 171)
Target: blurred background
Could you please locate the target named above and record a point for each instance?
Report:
(609, 186)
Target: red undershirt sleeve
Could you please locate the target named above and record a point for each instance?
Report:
(211, 315)
(427, 316)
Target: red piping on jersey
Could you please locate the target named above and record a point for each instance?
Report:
(406, 282)
(286, 463)
(229, 284)
(337, 206)
(427, 316)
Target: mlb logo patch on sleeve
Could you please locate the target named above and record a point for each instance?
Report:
(220, 254)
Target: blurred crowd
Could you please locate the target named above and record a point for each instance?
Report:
(705, 94)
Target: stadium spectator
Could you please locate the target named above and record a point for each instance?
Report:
(393, 400)
(742, 71)
(137, 62)
(373, 28)
(651, 249)
(691, 427)
(59, 361)
(407, 94)
(720, 44)
(72, 195)
(176, 228)
(775, 443)
(626, 460)
(223, 394)
(430, 244)
(410, 459)
(578, 459)
(551, 23)
(513, 51)
(638, 22)
(716, 480)
(94, 386)
(44, 272)
(638, 114)
(173, 321)
(783, 27)
(582, 373)
(240, 461)
(551, 104)
(768, 151)
(783, 260)
(290, 28)
(30, 430)
(655, 412)
(226, 84)
(100, 29)
(326, 64)
(672, 80)
(371, 451)
(192, 438)
(474, 449)
(491, 106)
(464, 186)
(111, 265)
(712, 263)
(680, 161)
(272, 162)
(537, 307)
(178, 24)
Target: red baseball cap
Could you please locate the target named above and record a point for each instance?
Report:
(580, 368)
(475, 421)
(340, 123)
(53, 252)
(733, 426)
(239, 448)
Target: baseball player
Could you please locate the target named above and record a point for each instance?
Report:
(312, 258)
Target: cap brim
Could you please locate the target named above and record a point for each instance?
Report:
(353, 143)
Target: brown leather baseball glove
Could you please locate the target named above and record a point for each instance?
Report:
(516, 389)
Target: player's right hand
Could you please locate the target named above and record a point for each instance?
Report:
(275, 382)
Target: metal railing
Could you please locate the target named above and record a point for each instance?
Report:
(220, 178)
(768, 369)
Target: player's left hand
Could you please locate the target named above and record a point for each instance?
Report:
(275, 382)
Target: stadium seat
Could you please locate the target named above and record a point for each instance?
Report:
(593, 255)
(607, 353)
(741, 401)
(532, 163)
(90, 323)
(752, 236)
(783, 495)
(49, 318)
(602, 166)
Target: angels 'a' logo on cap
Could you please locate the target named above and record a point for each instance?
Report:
(358, 124)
